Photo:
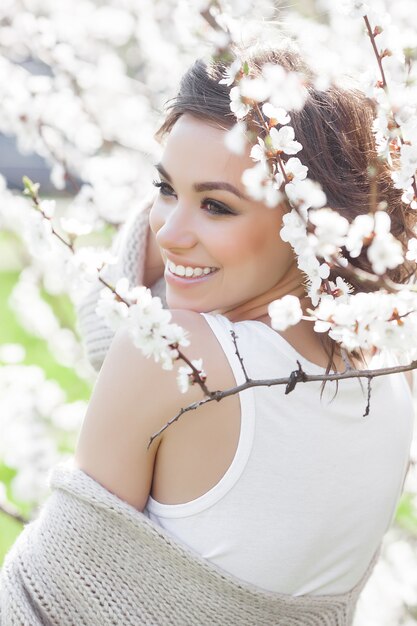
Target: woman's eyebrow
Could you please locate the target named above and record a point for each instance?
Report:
(208, 186)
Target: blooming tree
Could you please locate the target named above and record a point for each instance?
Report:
(103, 72)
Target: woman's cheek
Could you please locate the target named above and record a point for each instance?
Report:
(156, 220)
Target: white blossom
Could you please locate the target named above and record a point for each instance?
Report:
(354, 8)
(341, 289)
(12, 353)
(409, 197)
(38, 234)
(235, 139)
(385, 252)
(305, 194)
(369, 320)
(88, 261)
(287, 89)
(260, 186)
(152, 331)
(283, 140)
(185, 376)
(259, 152)
(237, 106)
(285, 312)
(295, 170)
(316, 273)
(360, 229)
(114, 312)
(254, 88)
(411, 253)
(231, 72)
(329, 233)
(277, 114)
(294, 231)
(75, 227)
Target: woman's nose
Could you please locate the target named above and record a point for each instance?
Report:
(173, 226)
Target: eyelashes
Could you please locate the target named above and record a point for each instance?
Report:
(163, 187)
(217, 208)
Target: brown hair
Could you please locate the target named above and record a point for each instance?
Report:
(335, 130)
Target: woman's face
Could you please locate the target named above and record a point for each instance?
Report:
(203, 219)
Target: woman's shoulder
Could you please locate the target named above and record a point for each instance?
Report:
(134, 397)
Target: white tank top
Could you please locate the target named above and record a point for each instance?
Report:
(313, 485)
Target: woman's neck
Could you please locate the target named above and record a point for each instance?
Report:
(257, 308)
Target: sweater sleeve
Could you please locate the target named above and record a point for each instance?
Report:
(130, 248)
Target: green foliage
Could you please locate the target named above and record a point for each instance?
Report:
(406, 515)
(37, 353)
(36, 349)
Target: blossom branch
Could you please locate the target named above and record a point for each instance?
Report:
(276, 154)
(372, 35)
(290, 382)
(31, 190)
(58, 159)
(383, 83)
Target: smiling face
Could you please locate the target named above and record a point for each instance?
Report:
(202, 218)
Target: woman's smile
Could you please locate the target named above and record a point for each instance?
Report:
(175, 276)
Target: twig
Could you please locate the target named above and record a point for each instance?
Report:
(368, 402)
(299, 376)
(30, 190)
(13, 514)
(234, 337)
(372, 36)
(277, 157)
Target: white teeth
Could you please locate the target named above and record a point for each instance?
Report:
(188, 271)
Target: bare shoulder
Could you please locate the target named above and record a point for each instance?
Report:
(132, 399)
(198, 330)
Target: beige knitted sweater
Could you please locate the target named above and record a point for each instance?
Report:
(91, 559)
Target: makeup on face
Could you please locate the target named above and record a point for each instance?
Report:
(221, 248)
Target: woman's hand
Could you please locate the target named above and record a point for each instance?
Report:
(154, 264)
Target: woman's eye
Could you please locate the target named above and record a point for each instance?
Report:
(211, 206)
(216, 208)
(164, 188)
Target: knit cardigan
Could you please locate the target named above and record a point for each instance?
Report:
(130, 248)
(91, 559)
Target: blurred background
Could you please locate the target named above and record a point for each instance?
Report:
(82, 86)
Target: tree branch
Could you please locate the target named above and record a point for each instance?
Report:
(372, 36)
(234, 337)
(14, 514)
(290, 381)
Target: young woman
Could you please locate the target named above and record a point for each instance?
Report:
(264, 508)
